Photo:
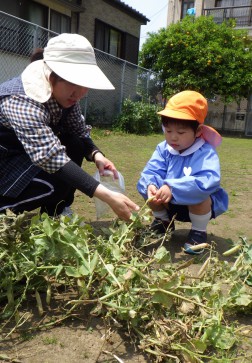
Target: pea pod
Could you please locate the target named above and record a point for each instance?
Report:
(39, 303)
(232, 250)
(48, 293)
(204, 267)
(199, 246)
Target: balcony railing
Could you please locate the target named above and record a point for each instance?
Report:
(242, 14)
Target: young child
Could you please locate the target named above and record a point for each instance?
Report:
(183, 174)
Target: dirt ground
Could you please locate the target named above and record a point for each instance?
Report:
(88, 339)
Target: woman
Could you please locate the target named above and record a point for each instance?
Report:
(43, 138)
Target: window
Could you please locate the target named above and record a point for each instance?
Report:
(60, 23)
(37, 14)
(227, 3)
(233, 10)
(108, 39)
(20, 37)
(115, 42)
(186, 4)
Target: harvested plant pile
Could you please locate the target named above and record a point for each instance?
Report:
(171, 314)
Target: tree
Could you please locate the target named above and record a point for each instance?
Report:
(198, 54)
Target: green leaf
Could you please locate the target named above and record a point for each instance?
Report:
(58, 270)
(220, 336)
(249, 254)
(116, 251)
(170, 284)
(84, 270)
(72, 271)
(240, 296)
(162, 255)
(243, 300)
(197, 345)
(163, 299)
(48, 227)
(93, 262)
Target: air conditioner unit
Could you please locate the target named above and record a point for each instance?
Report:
(240, 116)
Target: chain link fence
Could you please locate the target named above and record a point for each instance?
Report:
(18, 40)
(231, 118)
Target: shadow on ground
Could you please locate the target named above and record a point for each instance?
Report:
(174, 242)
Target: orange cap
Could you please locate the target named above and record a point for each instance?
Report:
(191, 106)
(186, 105)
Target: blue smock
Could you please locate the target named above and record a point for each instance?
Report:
(192, 175)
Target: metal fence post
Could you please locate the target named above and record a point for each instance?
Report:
(122, 87)
(147, 86)
(35, 38)
(248, 124)
(224, 117)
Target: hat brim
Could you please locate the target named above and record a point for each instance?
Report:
(176, 114)
(85, 75)
(35, 80)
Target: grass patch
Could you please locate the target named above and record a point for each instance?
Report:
(130, 153)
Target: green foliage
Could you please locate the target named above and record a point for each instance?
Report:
(138, 118)
(201, 55)
(171, 313)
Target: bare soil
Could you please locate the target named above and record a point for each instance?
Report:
(88, 339)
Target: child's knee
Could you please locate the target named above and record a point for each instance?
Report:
(201, 208)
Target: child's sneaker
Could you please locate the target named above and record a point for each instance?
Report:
(195, 238)
(160, 227)
(67, 211)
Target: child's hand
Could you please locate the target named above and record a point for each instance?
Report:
(152, 190)
(163, 195)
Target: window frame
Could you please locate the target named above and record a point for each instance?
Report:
(61, 17)
(189, 4)
(102, 39)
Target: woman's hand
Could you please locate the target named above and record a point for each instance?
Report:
(103, 163)
(118, 202)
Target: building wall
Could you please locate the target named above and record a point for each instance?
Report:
(84, 22)
(175, 7)
(108, 14)
(101, 10)
(174, 11)
(54, 5)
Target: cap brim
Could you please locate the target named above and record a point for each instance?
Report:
(85, 75)
(176, 114)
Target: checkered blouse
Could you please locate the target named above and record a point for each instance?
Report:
(30, 126)
(33, 124)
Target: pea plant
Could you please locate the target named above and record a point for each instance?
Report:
(171, 313)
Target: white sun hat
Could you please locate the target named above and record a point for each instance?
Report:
(70, 56)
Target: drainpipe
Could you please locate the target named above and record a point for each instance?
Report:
(78, 23)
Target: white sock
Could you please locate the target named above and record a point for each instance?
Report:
(199, 222)
(162, 214)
